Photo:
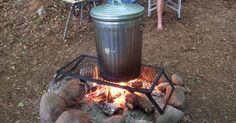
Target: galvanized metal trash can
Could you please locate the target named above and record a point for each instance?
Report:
(118, 30)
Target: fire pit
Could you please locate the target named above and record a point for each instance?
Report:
(79, 92)
(85, 68)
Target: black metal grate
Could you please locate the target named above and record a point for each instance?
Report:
(86, 64)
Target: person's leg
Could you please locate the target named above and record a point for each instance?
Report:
(160, 7)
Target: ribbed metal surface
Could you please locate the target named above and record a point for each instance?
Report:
(109, 12)
(119, 48)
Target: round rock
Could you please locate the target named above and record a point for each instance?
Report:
(73, 92)
(51, 107)
(162, 86)
(177, 80)
(73, 116)
(171, 115)
(57, 87)
(115, 119)
(177, 98)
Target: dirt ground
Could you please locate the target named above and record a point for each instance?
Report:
(201, 47)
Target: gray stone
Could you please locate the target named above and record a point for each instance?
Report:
(74, 92)
(137, 114)
(129, 119)
(109, 108)
(159, 98)
(177, 98)
(73, 116)
(51, 107)
(93, 110)
(58, 86)
(115, 119)
(171, 115)
(177, 80)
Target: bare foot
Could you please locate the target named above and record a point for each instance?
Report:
(159, 28)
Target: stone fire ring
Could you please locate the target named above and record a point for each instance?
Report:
(65, 102)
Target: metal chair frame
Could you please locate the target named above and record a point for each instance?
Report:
(170, 3)
(78, 4)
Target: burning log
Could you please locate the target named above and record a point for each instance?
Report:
(136, 84)
(136, 101)
(131, 101)
(148, 73)
(97, 97)
(110, 108)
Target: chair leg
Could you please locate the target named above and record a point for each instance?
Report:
(81, 12)
(149, 8)
(179, 8)
(67, 22)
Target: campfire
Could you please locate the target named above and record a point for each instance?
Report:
(80, 84)
(116, 98)
(113, 99)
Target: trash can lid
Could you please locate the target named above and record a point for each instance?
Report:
(117, 11)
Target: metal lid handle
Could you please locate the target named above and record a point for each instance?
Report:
(116, 2)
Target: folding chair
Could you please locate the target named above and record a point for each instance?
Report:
(80, 5)
(173, 4)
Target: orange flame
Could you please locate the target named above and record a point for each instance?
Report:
(116, 95)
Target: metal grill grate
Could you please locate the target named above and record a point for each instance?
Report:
(86, 68)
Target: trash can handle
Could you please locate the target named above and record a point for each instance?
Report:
(116, 2)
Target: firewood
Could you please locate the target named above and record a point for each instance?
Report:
(97, 97)
(148, 73)
(136, 84)
(136, 101)
(130, 101)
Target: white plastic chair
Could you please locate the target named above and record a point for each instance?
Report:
(173, 4)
